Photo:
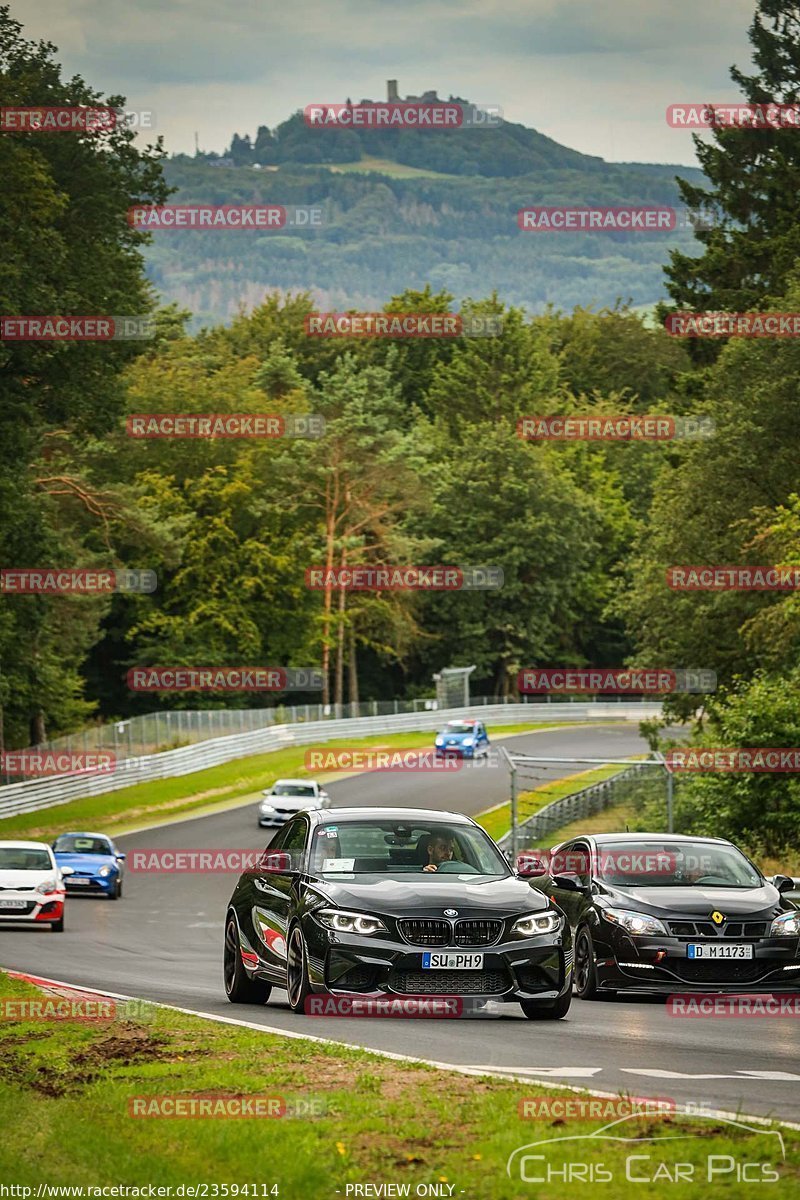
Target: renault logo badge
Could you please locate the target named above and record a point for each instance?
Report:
(717, 918)
(451, 912)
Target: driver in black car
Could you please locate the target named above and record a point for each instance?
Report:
(441, 848)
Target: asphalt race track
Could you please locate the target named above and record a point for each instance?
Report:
(163, 942)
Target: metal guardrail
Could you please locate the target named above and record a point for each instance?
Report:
(35, 794)
(576, 806)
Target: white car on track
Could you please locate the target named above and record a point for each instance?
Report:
(289, 796)
(31, 885)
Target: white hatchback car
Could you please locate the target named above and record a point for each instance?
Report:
(31, 885)
(289, 796)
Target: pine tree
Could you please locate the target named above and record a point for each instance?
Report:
(754, 242)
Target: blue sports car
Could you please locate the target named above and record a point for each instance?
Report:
(90, 863)
(466, 738)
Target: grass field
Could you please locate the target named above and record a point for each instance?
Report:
(385, 166)
(210, 790)
(69, 1091)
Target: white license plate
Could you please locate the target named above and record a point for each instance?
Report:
(716, 950)
(452, 961)
(79, 882)
(16, 905)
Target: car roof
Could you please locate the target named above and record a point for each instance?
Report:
(14, 845)
(81, 833)
(338, 815)
(304, 782)
(678, 838)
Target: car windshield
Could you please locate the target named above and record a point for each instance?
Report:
(459, 727)
(24, 858)
(392, 848)
(293, 789)
(687, 864)
(73, 843)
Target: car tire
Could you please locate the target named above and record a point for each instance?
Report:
(239, 987)
(57, 926)
(585, 977)
(117, 892)
(535, 1011)
(298, 986)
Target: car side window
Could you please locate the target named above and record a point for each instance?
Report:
(294, 843)
(581, 862)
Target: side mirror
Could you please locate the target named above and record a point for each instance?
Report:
(121, 856)
(785, 883)
(529, 866)
(569, 883)
(279, 862)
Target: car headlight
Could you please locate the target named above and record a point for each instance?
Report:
(438, 741)
(266, 807)
(105, 872)
(634, 922)
(67, 870)
(349, 922)
(469, 741)
(786, 926)
(535, 923)
(47, 885)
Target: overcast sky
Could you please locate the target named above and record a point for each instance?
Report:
(595, 75)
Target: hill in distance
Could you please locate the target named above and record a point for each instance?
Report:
(402, 208)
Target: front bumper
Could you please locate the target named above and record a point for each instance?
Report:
(661, 965)
(88, 885)
(454, 751)
(538, 968)
(37, 907)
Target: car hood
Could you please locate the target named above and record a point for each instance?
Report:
(24, 879)
(428, 897)
(85, 862)
(291, 803)
(698, 901)
(455, 738)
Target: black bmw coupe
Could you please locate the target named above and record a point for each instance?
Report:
(393, 902)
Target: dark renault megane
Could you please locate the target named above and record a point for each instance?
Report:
(666, 913)
(393, 902)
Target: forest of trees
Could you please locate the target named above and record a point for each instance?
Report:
(420, 461)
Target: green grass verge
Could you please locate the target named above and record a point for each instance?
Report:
(213, 789)
(352, 1117)
(497, 821)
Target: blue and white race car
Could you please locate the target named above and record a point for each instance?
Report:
(466, 738)
(90, 863)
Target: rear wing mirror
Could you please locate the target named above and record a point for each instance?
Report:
(530, 866)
